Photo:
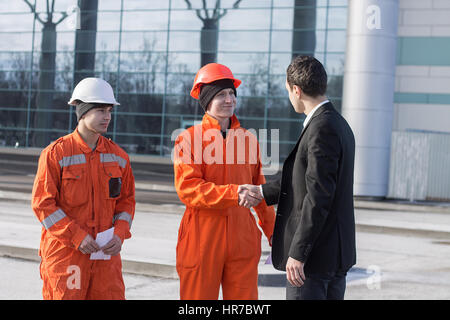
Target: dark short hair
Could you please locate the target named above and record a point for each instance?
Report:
(309, 74)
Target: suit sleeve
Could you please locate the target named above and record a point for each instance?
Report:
(271, 192)
(43, 201)
(321, 175)
(192, 189)
(125, 205)
(266, 214)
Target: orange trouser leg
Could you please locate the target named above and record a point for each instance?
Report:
(240, 279)
(65, 275)
(201, 253)
(240, 276)
(106, 281)
(73, 276)
(199, 284)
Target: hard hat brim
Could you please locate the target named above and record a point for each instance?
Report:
(195, 92)
(72, 102)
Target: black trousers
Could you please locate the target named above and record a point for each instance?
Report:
(319, 286)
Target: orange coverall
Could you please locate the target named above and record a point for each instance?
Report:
(219, 242)
(72, 198)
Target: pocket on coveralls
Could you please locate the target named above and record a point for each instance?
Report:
(112, 182)
(73, 188)
(188, 249)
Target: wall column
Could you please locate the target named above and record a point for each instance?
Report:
(368, 94)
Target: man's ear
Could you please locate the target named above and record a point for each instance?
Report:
(297, 91)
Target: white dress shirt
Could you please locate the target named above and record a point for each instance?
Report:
(310, 115)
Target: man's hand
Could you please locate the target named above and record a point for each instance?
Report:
(249, 195)
(113, 247)
(294, 272)
(88, 245)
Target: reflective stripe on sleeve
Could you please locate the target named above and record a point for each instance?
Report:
(123, 216)
(111, 157)
(75, 159)
(53, 218)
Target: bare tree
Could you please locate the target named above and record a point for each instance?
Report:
(209, 37)
(47, 64)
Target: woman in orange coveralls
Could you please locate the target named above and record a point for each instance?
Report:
(219, 243)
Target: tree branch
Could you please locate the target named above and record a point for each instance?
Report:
(39, 18)
(236, 4)
(64, 15)
(224, 12)
(188, 4)
(49, 13)
(199, 14)
(205, 9)
(216, 11)
(33, 10)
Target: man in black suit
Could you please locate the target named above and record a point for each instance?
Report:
(314, 236)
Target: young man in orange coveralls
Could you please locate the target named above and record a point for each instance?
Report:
(84, 185)
(219, 243)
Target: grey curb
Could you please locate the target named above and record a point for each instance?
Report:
(128, 266)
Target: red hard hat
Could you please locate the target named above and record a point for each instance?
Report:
(210, 73)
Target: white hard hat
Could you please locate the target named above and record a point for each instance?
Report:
(93, 90)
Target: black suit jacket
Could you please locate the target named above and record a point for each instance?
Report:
(315, 220)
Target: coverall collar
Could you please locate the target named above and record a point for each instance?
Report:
(209, 122)
(84, 146)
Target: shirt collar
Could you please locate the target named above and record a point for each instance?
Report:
(310, 115)
(84, 146)
(209, 122)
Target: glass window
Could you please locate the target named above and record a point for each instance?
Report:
(108, 21)
(283, 19)
(282, 41)
(145, 20)
(336, 41)
(183, 41)
(110, 5)
(8, 23)
(140, 5)
(185, 20)
(106, 62)
(107, 41)
(246, 19)
(337, 18)
(252, 41)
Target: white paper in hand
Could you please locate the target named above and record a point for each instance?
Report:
(102, 239)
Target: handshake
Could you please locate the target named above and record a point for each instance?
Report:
(249, 195)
